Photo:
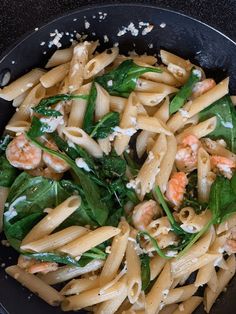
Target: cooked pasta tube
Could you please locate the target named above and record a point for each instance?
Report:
(149, 60)
(4, 191)
(53, 219)
(215, 148)
(155, 295)
(91, 297)
(59, 57)
(76, 286)
(117, 104)
(204, 275)
(18, 100)
(193, 223)
(36, 285)
(134, 282)
(164, 77)
(18, 126)
(153, 87)
(142, 141)
(168, 57)
(116, 256)
(195, 264)
(78, 107)
(188, 306)
(203, 175)
(55, 75)
(150, 99)
(128, 121)
(88, 241)
(180, 294)
(198, 104)
(77, 65)
(200, 130)
(21, 85)
(213, 282)
(157, 263)
(152, 124)
(147, 174)
(163, 111)
(65, 273)
(99, 62)
(227, 224)
(55, 240)
(80, 137)
(224, 276)
(167, 163)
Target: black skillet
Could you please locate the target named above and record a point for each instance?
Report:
(173, 31)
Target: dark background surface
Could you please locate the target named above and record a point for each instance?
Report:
(20, 16)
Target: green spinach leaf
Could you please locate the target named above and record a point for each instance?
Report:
(225, 129)
(145, 271)
(185, 92)
(44, 106)
(8, 173)
(4, 141)
(89, 113)
(38, 128)
(122, 80)
(105, 126)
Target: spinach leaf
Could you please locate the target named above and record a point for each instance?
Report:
(44, 106)
(225, 129)
(53, 257)
(91, 190)
(38, 128)
(89, 113)
(222, 198)
(184, 93)
(122, 80)
(153, 241)
(145, 271)
(112, 166)
(8, 173)
(114, 218)
(105, 126)
(4, 141)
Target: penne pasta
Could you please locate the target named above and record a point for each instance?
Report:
(204, 175)
(53, 219)
(36, 285)
(55, 75)
(188, 306)
(59, 57)
(154, 87)
(152, 124)
(215, 148)
(88, 241)
(76, 286)
(21, 85)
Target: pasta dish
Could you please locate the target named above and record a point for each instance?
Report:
(118, 184)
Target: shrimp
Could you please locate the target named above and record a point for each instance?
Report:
(223, 164)
(42, 267)
(45, 172)
(230, 244)
(22, 154)
(143, 214)
(186, 156)
(176, 188)
(202, 87)
(55, 163)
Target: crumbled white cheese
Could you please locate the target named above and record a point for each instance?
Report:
(74, 20)
(181, 307)
(171, 253)
(13, 62)
(130, 28)
(56, 39)
(132, 184)
(133, 121)
(162, 25)
(197, 73)
(11, 212)
(217, 262)
(184, 113)
(52, 122)
(221, 250)
(147, 29)
(109, 83)
(227, 125)
(5, 243)
(36, 29)
(42, 43)
(82, 164)
(128, 132)
(150, 46)
(108, 249)
(150, 156)
(188, 228)
(105, 38)
(86, 24)
(6, 78)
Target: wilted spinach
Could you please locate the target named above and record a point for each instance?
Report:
(105, 126)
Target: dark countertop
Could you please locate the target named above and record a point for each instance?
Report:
(18, 17)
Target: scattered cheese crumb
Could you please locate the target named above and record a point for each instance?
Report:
(82, 164)
(110, 83)
(129, 131)
(108, 249)
(86, 24)
(162, 25)
(198, 73)
(74, 20)
(147, 29)
(184, 113)
(105, 39)
(13, 62)
(42, 43)
(36, 29)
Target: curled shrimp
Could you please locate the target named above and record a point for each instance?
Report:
(42, 267)
(202, 87)
(176, 188)
(22, 154)
(143, 214)
(55, 163)
(186, 156)
(223, 164)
